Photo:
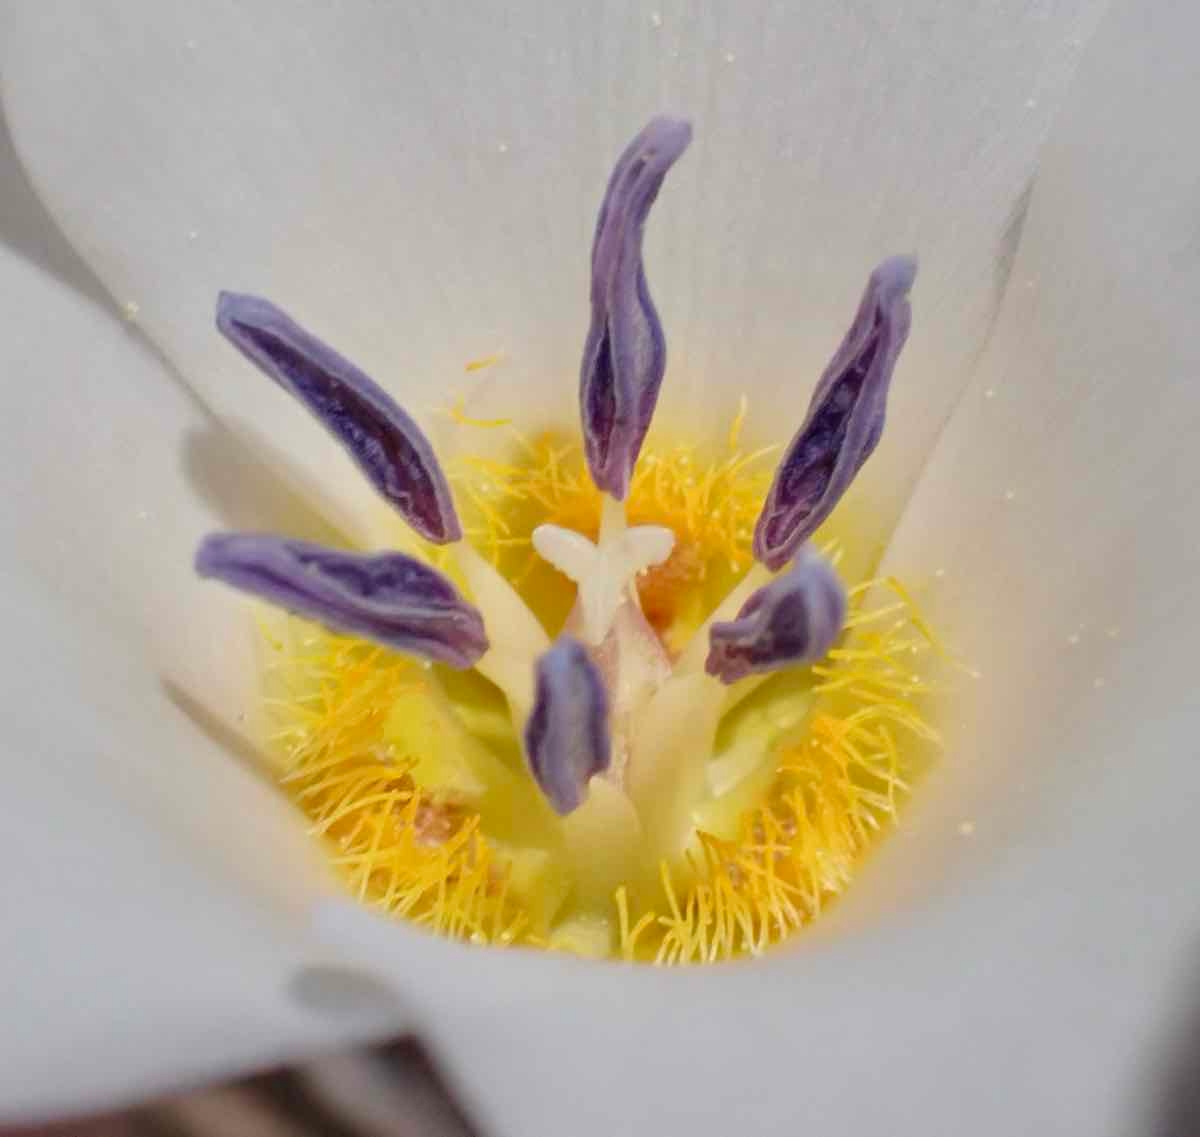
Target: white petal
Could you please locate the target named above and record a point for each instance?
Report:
(153, 888)
(1038, 976)
(418, 182)
(1033, 985)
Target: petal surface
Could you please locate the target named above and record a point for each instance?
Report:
(155, 888)
(422, 183)
(1021, 956)
(1038, 980)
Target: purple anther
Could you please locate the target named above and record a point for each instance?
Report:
(387, 445)
(566, 737)
(845, 418)
(390, 598)
(794, 619)
(625, 354)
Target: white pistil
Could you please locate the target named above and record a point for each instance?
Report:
(664, 718)
(602, 839)
(604, 571)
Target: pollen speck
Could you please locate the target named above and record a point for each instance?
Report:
(485, 362)
(457, 414)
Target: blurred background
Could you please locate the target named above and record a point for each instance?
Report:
(391, 1091)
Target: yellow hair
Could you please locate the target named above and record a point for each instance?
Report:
(834, 780)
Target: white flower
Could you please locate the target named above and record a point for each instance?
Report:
(416, 177)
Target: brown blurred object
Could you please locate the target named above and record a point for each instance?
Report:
(390, 1091)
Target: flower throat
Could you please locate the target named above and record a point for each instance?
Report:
(692, 766)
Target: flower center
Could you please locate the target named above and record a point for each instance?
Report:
(415, 777)
(618, 784)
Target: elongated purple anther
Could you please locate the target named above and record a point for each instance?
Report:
(566, 737)
(387, 445)
(845, 418)
(390, 598)
(794, 619)
(625, 353)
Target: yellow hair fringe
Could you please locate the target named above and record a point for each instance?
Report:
(840, 779)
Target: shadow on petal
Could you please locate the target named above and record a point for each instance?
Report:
(231, 742)
(237, 474)
(1006, 250)
(343, 991)
(29, 230)
(1177, 1111)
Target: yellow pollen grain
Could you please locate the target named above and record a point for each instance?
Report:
(484, 363)
(456, 411)
(739, 420)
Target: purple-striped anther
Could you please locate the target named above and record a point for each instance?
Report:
(376, 432)
(625, 354)
(566, 736)
(390, 598)
(845, 418)
(794, 619)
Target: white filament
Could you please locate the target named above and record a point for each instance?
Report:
(517, 639)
